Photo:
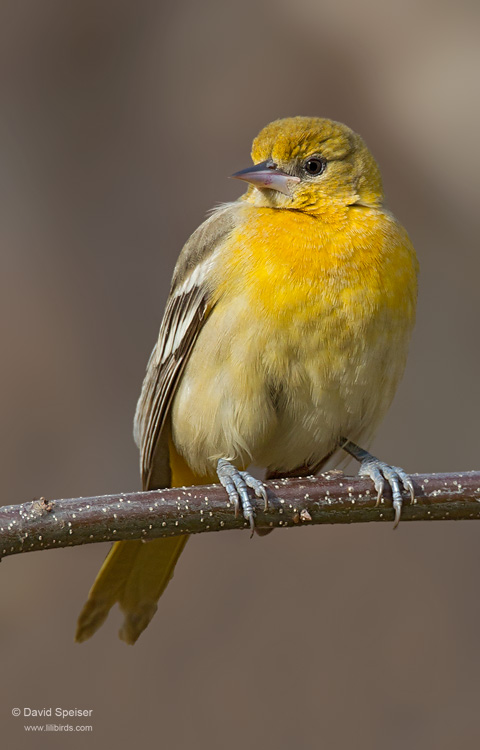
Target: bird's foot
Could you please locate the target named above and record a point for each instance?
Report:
(236, 484)
(379, 471)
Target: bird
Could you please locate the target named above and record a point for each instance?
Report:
(284, 337)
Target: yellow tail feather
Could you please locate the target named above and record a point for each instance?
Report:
(136, 573)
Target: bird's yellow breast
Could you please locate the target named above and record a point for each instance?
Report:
(337, 274)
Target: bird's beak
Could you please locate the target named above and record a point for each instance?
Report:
(267, 175)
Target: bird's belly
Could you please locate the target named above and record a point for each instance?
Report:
(337, 392)
(281, 392)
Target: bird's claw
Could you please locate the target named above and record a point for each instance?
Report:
(236, 483)
(378, 471)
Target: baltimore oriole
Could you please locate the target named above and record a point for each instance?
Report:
(284, 337)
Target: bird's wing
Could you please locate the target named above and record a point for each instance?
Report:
(188, 306)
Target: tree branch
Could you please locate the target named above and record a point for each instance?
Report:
(328, 498)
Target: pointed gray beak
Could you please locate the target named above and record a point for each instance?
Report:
(267, 175)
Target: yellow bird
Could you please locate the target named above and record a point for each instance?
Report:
(284, 337)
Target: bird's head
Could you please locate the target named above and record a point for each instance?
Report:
(313, 165)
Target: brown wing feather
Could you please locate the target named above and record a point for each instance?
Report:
(162, 381)
(188, 306)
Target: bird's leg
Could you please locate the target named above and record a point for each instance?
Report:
(236, 483)
(378, 471)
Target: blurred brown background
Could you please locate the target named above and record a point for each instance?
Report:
(119, 124)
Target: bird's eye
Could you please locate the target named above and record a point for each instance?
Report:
(314, 166)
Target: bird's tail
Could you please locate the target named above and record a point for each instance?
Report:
(136, 573)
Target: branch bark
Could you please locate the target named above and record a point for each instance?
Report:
(328, 498)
